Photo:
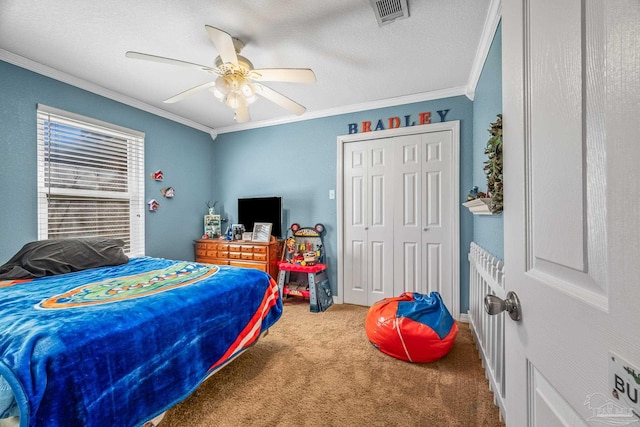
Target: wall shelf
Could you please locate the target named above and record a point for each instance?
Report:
(480, 206)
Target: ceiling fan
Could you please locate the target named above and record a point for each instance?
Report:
(238, 83)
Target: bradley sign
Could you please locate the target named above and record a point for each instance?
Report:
(395, 122)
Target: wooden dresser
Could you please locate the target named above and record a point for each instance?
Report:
(241, 253)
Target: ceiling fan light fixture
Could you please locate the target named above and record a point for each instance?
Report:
(247, 89)
(223, 85)
(235, 100)
(216, 92)
(238, 84)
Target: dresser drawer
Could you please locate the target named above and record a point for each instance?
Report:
(239, 253)
(257, 266)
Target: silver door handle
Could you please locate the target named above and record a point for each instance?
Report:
(495, 305)
(426, 229)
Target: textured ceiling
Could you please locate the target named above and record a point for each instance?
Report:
(355, 61)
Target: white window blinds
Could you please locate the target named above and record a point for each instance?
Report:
(90, 179)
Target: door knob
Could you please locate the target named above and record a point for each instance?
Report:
(495, 305)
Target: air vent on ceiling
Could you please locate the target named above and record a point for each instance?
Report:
(388, 11)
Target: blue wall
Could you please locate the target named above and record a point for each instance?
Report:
(488, 230)
(184, 154)
(298, 161)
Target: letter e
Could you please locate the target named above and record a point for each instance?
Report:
(425, 118)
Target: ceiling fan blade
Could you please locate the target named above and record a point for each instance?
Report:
(279, 99)
(224, 44)
(162, 59)
(293, 75)
(188, 92)
(242, 114)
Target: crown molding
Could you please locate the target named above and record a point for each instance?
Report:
(490, 26)
(47, 71)
(365, 106)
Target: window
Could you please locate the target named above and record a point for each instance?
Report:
(90, 179)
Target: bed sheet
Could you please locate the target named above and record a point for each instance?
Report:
(120, 345)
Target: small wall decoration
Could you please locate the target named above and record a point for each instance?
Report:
(168, 192)
(153, 205)
(157, 175)
(493, 166)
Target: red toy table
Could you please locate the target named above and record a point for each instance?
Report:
(315, 274)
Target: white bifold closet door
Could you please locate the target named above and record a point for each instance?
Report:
(397, 217)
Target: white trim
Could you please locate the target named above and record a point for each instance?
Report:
(490, 26)
(452, 126)
(354, 108)
(488, 32)
(47, 71)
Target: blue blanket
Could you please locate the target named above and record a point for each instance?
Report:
(116, 346)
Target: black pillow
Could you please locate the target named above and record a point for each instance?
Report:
(60, 256)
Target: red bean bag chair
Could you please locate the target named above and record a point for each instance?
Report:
(412, 327)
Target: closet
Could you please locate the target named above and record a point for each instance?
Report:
(399, 222)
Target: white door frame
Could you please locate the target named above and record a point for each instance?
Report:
(452, 126)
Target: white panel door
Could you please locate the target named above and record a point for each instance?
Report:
(368, 183)
(355, 223)
(571, 73)
(408, 259)
(423, 220)
(437, 215)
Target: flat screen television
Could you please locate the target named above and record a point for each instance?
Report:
(261, 209)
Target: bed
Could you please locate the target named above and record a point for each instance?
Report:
(119, 344)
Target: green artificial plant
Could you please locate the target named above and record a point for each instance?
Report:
(493, 166)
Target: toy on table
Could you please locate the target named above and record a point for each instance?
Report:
(302, 271)
(305, 247)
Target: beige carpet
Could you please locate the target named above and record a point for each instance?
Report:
(319, 369)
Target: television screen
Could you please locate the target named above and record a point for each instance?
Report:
(261, 209)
